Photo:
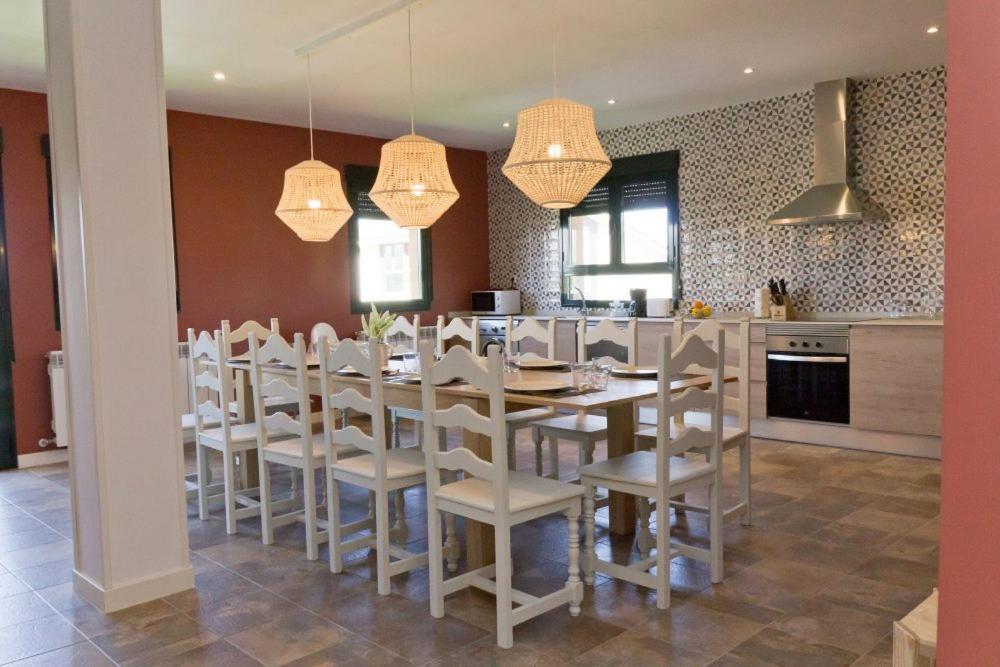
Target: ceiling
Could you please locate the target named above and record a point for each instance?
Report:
(476, 62)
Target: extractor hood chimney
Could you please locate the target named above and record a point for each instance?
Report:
(830, 199)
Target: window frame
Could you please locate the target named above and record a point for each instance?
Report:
(665, 165)
(360, 179)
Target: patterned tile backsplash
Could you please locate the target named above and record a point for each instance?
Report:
(741, 163)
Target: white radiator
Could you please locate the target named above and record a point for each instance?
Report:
(60, 400)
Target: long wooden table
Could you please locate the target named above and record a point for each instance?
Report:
(619, 401)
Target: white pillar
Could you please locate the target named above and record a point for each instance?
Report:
(107, 122)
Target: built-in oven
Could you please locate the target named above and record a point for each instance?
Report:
(808, 373)
(491, 332)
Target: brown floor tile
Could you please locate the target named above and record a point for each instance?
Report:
(874, 597)
(486, 652)
(914, 548)
(219, 652)
(21, 608)
(212, 584)
(321, 592)
(851, 536)
(635, 647)
(11, 585)
(821, 621)
(763, 591)
(773, 647)
(81, 654)
(36, 636)
(829, 555)
(288, 638)
(783, 519)
(559, 634)
(352, 652)
(239, 612)
(29, 538)
(900, 572)
(696, 628)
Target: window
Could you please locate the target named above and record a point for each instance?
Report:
(390, 267)
(624, 234)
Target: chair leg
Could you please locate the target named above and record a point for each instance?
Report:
(573, 530)
(451, 545)
(419, 428)
(715, 528)
(333, 522)
(309, 499)
(512, 449)
(745, 492)
(536, 437)
(266, 528)
(293, 477)
(662, 554)
(399, 508)
(204, 473)
(554, 458)
(505, 609)
(434, 560)
(588, 535)
(393, 428)
(643, 538)
(229, 481)
(382, 541)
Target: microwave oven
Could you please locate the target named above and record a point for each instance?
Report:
(496, 302)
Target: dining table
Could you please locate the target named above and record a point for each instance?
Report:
(619, 401)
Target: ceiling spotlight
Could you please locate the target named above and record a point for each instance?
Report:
(219, 76)
(506, 123)
(611, 101)
(933, 30)
(748, 70)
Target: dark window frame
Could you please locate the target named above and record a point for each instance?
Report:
(360, 179)
(8, 427)
(665, 165)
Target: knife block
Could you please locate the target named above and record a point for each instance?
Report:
(784, 312)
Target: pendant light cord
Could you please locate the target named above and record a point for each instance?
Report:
(555, 87)
(309, 95)
(409, 41)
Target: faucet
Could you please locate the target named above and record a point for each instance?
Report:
(583, 300)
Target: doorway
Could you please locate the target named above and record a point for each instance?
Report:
(8, 447)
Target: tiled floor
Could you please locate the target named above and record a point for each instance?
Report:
(842, 543)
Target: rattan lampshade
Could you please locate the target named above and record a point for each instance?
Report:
(413, 186)
(313, 202)
(556, 158)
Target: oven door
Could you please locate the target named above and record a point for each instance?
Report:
(810, 387)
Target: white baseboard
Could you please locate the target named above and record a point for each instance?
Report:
(44, 458)
(131, 594)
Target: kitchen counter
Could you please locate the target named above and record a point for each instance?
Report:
(732, 318)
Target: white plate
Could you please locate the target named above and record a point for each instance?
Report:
(525, 386)
(540, 363)
(348, 370)
(635, 371)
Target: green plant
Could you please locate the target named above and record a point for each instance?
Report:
(377, 324)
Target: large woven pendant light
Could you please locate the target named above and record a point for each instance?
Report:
(556, 158)
(413, 186)
(313, 202)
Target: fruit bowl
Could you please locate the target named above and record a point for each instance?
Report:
(700, 310)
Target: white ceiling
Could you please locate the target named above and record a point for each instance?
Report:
(476, 62)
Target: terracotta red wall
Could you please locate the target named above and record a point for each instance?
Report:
(237, 261)
(969, 613)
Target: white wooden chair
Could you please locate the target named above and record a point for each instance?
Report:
(301, 450)
(665, 472)
(488, 493)
(376, 468)
(241, 336)
(403, 337)
(211, 387)
(457, 328)
(530, 328)
(586, 429)
(735, 436)
(322, 330)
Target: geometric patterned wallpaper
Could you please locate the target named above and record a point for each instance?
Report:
(740, 163)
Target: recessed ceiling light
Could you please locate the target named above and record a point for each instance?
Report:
(506, 123)
(748, 70)
(932, 30)
(219, 76)
(611, 101)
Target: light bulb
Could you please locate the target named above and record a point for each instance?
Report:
(314, 204)
(417, 189)
(555, 150)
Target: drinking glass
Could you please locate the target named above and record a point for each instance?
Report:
(582, 373)
(599, 376)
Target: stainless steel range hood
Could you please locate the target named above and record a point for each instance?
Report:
(830, 199)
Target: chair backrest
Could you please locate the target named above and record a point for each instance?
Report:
(322, 330)
(607, 330)
(738, 345)
(403, 335)
(209, 380)
(331, 360)
(275, 351)
(694, 350)
(458, 328)
(486, 373)
(531, 328)
(242, 333)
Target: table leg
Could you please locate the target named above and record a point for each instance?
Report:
(479, 545)
(621, 440)
(249, 468)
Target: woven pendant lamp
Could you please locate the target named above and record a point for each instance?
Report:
(556, 158)
(413, 186)
(312, 202)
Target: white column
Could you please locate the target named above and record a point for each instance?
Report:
(107, 122)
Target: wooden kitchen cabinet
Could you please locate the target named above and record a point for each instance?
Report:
(896, 378)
